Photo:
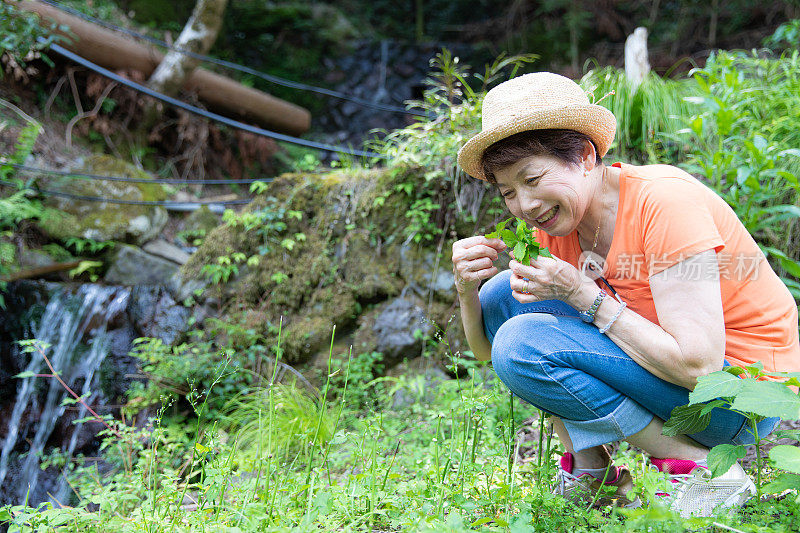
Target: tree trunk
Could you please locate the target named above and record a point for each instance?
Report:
(712, 26)
(197, 36)
(653, 13)
(221, 94)
(636, 63)
(419, 9)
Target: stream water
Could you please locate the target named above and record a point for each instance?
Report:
(74, 326)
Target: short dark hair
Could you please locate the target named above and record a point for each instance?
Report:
(566, 145)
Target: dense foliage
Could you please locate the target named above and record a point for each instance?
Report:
(742, 139)
(22, 37)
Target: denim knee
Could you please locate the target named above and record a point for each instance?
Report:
(499, 305)
(497, 287)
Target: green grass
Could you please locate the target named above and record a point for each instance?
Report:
(289, 460)
(647, 116)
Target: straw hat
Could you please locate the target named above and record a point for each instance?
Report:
(537, 101)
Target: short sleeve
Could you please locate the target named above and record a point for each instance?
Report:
(677, 223)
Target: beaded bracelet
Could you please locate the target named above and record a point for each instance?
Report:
(614, 318)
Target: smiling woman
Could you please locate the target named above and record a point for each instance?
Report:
(690, 292)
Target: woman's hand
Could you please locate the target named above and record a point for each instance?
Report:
(546, 279)
(473, 260)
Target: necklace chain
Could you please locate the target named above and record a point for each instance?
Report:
(600, 222)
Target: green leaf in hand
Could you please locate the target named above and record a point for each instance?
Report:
(521, 253)
(508, 236)
(498, 229)
(522, 241)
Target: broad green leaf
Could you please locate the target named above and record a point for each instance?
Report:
(519, 252)
(715, 385)
(767, 398)
(498, 229)
(759, 142)
(788, 176)
(774, 251)
(710, 406)
(501, 225)
(786, 457)
(686, 419)
(791, 266)
(509, 237)
(735, 370)
(782, 482)
(783, 208)
(532, 250)
(544, 252)
(743, 174)
(722, 457)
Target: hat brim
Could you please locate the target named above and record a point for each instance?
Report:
(595, 121)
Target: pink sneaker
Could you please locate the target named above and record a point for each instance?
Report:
(583, 488)
(695, 493)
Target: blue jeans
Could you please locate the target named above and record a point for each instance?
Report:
(550, 358)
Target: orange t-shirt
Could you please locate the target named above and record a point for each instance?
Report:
(666, 216)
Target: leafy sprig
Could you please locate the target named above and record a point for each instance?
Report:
(522, 241)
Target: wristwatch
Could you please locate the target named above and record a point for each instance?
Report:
(588, 315)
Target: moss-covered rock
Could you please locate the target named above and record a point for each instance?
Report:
(316, 250)
(201, 221)
(396, 328)
(106, 221)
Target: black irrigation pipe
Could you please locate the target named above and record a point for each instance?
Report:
(209, 114)
(164, 203)
(80, 175)
(234, 66)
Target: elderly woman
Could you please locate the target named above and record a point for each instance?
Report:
(653, 283)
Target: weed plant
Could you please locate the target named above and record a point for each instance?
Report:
(744, 142)
(647, 116)
(287, 459)
(25, 37)
(15, 203)
(756, 398)
(453, 100)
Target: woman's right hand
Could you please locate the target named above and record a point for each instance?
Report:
(473, 260)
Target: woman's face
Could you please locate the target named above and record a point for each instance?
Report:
(546, 192)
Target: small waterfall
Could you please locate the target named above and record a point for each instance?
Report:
(68, 320)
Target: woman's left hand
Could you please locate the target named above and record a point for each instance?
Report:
(545, 279)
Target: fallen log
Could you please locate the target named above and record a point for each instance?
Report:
(115, 51)
(32, 273)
